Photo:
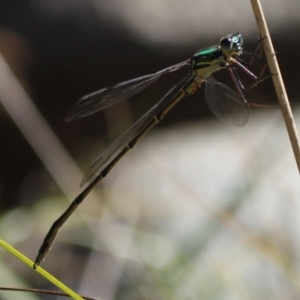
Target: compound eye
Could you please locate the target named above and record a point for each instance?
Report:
(226, 44)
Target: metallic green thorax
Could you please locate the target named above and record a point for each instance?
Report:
(209, 60)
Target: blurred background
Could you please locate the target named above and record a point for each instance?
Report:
(198, 209)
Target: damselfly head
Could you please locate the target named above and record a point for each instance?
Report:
(232, 43)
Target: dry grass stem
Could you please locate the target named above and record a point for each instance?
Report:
(278, 81)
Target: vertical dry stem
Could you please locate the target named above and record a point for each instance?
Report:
(278, 82)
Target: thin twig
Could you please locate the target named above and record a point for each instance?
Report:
(277, 80)
(36, 130)
(39, 135)
(45, 292)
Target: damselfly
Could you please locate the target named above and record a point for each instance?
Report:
(228, 105)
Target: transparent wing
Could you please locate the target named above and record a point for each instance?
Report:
(106, 97)
(226, 104)
(118, 145)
